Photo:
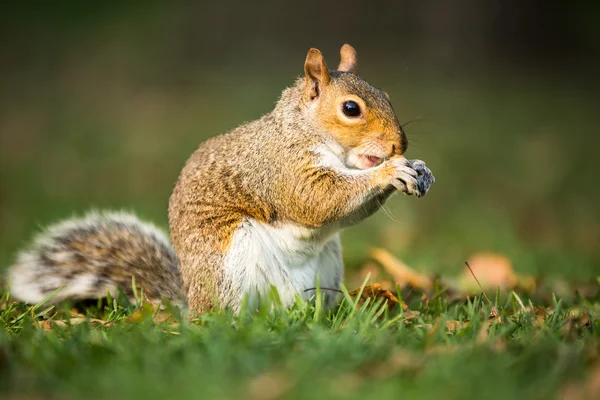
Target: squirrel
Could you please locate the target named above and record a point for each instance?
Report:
(258, 207)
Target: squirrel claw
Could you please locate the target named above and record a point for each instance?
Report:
(424, 177)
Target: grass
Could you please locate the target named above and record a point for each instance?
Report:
(438, 348)
(103, 119)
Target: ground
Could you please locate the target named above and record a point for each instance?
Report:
(432, 344)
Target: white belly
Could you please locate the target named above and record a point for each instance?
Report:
(288, 258)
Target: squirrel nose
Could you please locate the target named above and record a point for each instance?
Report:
(394, 143)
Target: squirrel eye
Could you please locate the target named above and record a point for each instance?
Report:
(351, 109)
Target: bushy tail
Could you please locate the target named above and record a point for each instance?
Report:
(93, 255)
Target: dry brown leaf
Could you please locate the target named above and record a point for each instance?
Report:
(402, 274)
(75, 313)
(376, 292)
(455, 325)
(48, 325)
(492, 271)
(425, 299)
(541, 313)
(409, 314)
(578, 321)
(77, 321)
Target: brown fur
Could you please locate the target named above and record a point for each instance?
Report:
(266, 170)
(106, 250)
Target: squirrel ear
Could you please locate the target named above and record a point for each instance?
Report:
(348, 62)
(317, 74)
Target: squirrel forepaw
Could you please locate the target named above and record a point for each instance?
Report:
(411, 176)
(404, 177)
(424, 177)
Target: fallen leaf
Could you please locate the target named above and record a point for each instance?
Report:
(454, 325)
(49, 324)
(492, 271)
(402, 274)
(75, 313)
(376, 292)
(409, 314)
(542, 313)
(425, 299)
(75, 321)
(46, 325)
(576, 324)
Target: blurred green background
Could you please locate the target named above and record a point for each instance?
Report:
(101, 104)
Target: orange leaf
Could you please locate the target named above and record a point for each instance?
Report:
(492, 271)
(402, 274)
(409, 314)
(376, 292)
(454, 325)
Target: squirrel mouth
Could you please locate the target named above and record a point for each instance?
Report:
(369, 161)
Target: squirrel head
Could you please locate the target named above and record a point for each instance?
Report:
(357, 115)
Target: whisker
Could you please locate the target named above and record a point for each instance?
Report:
(417, 133)
(387, 211)
(418, 119)
(369, 146)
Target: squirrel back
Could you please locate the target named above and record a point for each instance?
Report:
(98, 254)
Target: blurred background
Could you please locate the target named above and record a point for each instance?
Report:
(102, 103)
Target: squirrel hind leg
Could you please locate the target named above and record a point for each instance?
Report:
(89, 257)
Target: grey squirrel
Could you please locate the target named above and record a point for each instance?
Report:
(257, 207)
